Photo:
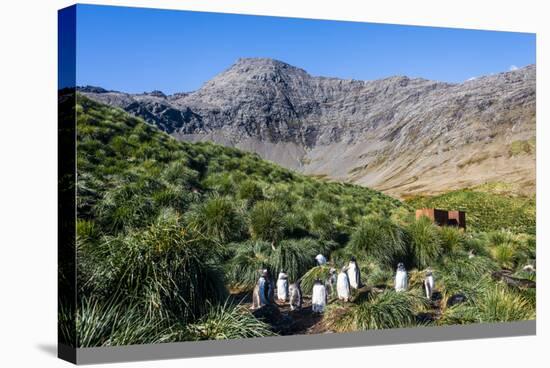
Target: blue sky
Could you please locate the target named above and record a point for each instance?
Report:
(136, 50)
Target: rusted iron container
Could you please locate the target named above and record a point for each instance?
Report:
(443, 217)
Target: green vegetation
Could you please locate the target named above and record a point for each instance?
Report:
(166, 228)
(497, 304)
(425, 242)
(388, 309)
(228, 322)
(169, 233)
(522, 147)
(110, 324)
(379, 238)
(486, 211)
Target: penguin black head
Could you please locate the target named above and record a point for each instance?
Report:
(352, 259)
(317, 281)
(400, 266)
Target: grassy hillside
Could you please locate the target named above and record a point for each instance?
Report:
(485, 209)
(121, 157)
(169, 232)
(170, 226)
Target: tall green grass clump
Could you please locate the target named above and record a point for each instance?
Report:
(424, 242)
(497, 304)
(452, 239)
(379, 238)
(322, 221)
(217, 218)
(294, 257)
(379, 311)
(266, 222)
(243, 270)
(227, 321)
(172, 272)
(113, 323)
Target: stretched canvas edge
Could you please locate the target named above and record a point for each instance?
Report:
(303, 342)
(67, 350)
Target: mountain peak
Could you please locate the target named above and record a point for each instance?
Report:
(262, 65)
(344, 129)
(260, 61)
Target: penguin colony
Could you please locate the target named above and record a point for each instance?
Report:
(338, 285)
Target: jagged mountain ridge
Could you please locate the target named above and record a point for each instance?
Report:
(400, 135)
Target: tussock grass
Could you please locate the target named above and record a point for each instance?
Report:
(322, 221)
(171, 271)
(425, 242)
(505, 255)
(227, 321)
(266, 222)
(164, 227)
(452, 239)
(115, 323)
(217, 218)
(385, 310)
(250, 257)
(496, 305)
(294, 257)
(379, 238)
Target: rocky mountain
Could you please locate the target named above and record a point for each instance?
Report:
(404, 136)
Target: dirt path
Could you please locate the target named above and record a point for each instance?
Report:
(283, 321)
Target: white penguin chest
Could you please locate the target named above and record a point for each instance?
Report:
(318, 294)
(401, 279)
(342, 285)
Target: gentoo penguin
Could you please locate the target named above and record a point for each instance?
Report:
(318, 297)
(282, 286)
(270, 288)
(342, 285)
(401, 281)
(354, 274)
(259, 295)
(321, 259)
(429, 284)
(295, 293)
(256, 299)
(331, 282)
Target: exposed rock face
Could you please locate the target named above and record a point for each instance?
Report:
(399, 135)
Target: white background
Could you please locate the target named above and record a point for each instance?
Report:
(28, 179)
